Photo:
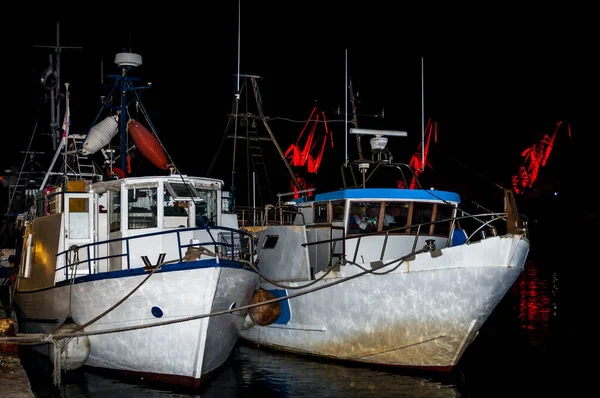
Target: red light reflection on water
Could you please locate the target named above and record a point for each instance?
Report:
(537, 306)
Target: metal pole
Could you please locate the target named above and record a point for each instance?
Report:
(254, 198)
(346, 110)
(53, 114)
(261, 113)
(122, 82)
(422, 166)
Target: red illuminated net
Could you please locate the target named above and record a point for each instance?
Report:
(418, 161)
(306, 153)
(534, 158)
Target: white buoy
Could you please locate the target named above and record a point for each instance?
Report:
(100, 135)
(77, 351)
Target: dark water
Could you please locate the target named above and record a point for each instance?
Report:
(514, 355)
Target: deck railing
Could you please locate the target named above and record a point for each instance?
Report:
(485, 230)
(476, 227)
(269, 215)
(228, 243)
(461, 229)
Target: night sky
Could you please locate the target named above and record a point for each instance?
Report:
(492, 85)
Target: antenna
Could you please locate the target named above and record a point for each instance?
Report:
(346, 111)
(50, 80)
(422, 118)
(237, 105)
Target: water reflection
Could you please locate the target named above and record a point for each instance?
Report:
(537, 307)
(255, 372)
(515, 353)
(290, 376)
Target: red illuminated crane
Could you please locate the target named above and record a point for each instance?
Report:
(534, 158)
(309, 154)
(418, 161)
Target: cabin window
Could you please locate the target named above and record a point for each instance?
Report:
(320, 212)
(444, 212)
(114, 210)
(175, 215)
(270, 241)
(395, 216)
(181, 190)
(175, 212)
(338, 210)
(79, 227)
(422, 213)
(226, 203)
(364, 217)
(141, 201)
(206, 207)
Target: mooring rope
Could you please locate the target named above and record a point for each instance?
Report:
(59, 341)
(32, 337)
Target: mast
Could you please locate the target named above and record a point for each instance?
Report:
(422, 118)
(125, 84)
(247, 110)
(237, 104)
(51, 81)
(345, 112)
(355, 120)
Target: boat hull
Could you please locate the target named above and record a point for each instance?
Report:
(423, 314)
(182, 353)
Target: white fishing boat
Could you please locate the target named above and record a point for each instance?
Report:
(380, 274)
(141, 275)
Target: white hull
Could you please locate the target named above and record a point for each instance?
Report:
(423, 314)
(182, 352)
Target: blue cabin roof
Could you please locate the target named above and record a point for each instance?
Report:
(388, 194)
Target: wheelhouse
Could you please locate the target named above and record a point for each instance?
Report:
(170, 202)
(376, 210)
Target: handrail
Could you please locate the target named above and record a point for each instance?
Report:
(479, 223)
(213, 242)
(263, 213)
(397, 229)
(386, 233)
(485, 224)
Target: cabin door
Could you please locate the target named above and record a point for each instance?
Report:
(79, 219)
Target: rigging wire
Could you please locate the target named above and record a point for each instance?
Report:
(237, 106)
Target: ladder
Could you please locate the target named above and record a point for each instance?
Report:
(257, 160)
(74, 166)
(243, 125)
(83, 166)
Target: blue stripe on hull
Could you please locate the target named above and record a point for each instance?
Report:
(211, 263)
(285, 315)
